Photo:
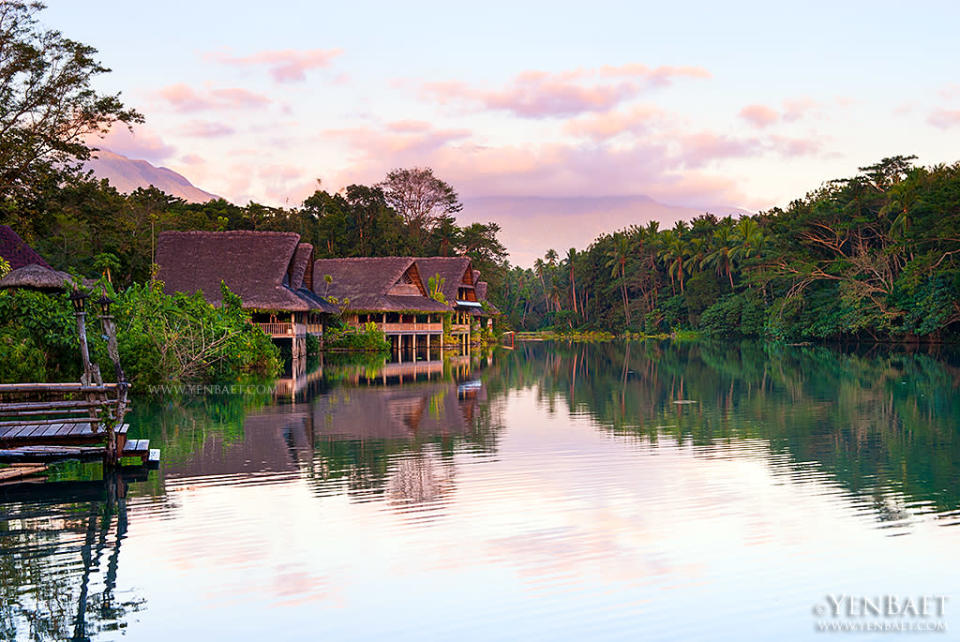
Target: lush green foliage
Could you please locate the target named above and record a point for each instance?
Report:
(369, 339)
(874, 256)
(162, 339)
(48, 106)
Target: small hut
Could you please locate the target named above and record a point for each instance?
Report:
(36, 277)
(387, 291)
(265, 269)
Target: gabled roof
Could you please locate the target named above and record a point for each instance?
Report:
(254, 265)
(15, 250)
(456, 272)
(489, 308)
(375, 284)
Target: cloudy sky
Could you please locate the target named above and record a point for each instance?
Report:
(695, 105)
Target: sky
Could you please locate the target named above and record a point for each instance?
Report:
(703, 106)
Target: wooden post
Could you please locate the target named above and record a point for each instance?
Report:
(87, 377)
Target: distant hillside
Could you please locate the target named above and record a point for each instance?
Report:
(126, 175)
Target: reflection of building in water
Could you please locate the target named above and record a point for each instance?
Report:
(300, 377)
(420, 369)
(289, 438)
(398, 412)
(61, 553)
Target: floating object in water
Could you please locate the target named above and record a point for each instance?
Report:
(685, 401)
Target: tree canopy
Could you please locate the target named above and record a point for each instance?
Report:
(48, 107)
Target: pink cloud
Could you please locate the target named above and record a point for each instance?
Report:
(698, 149)
(797, 108)
(540, 94)
(192, 159)
(286, 66)
(759, 115)
(141, 143)
(184, 98)
(791, 147)
(944, 118)
(206, 129)
(409, 126)
(610, 124)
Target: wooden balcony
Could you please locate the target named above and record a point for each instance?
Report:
(314, 328)
(460, 328)
(411, 328)
(286, 329)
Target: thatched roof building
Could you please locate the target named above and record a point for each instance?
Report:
(264, 268)
(36, 277)
(16, 252)
(456, 273)
(375, 284)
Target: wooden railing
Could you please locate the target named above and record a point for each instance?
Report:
(457, 328)
(280, 329)
(424, 328)
(314, 328)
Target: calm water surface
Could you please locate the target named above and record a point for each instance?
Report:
(556, 491)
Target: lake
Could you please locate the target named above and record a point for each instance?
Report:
(555, 491)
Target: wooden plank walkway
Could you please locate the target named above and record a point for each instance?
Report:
(139, 448)
(37, 433)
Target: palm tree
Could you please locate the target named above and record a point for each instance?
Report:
(674, 255)
(617, 262)
(539, 266)
(571, 257)
(722, 253)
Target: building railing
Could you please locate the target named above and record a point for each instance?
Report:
(314, 328)
(282, 329)
(458, 328)
(424, 328)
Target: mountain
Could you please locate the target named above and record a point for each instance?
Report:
(127, 174)
(531, 225)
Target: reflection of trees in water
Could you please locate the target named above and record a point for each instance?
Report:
(399, 441)
(45, 595)
(420, 478)
(877, 419)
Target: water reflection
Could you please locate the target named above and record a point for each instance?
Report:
(569, 490)
(879, 421)
(59, 559)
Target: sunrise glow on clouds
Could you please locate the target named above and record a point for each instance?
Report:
(749, 108)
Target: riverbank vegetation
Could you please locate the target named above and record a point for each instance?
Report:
(161, 338)
(875, 256)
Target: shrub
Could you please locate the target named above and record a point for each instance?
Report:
(370, 339)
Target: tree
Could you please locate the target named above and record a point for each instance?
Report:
(617, 262)
(420, 197)
(571, 259)
(48, 108)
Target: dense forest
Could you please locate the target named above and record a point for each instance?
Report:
(87, 226)
(873, 257)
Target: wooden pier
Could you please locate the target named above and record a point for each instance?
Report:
(52, 426)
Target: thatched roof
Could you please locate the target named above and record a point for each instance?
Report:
(36, 277)
(254, 265)
(456, 272)
(301, 265)
(375, 284)
(16, 252)
(489, 308)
